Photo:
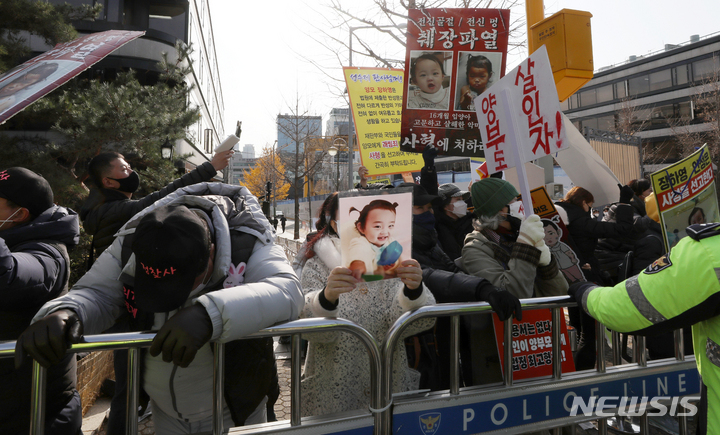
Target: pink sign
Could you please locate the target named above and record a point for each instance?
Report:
(26, 83)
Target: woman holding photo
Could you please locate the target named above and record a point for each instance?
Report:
(337, 370)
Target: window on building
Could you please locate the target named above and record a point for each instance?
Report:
(604, 93)
(680, 74)
(706, 68)
(565, 105)
(588, 98)
(606, 122)
(590, 123)
(639, 85)
(660, 80)
(169, 18)
(684, 111)
(620, 91)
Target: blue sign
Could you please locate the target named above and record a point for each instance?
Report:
(509, 412)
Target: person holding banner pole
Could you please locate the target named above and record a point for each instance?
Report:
(512, 255)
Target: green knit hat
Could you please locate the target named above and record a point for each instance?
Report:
(490, 195)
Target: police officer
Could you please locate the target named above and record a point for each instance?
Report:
(680, 289)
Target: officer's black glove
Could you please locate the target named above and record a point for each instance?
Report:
(626, 194)
(429, 154)
(578, 289)
(48, 339)
(183, 335)
(502, 302)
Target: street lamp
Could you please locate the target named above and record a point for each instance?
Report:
(334, 149)
(166, 149)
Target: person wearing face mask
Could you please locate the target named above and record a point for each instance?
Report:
(111, 205)
(35, 235)
(512, 255)
(170, 269)
(453, 220)
(585, 232)
(105, 211)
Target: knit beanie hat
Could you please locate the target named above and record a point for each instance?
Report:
(490, 195)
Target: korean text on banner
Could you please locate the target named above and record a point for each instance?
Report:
(535, 119)
(452, 56)
(532, 345)
(685, 192)
(39, 76)
(376, 100)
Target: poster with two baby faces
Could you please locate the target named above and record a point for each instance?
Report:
(453, 55)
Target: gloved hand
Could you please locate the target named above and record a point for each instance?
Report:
(545, 256)
(626, 194)
(531, 231)
(504, 303)
(578, 289)
(429, 153)
(183, 335)
(48, 339)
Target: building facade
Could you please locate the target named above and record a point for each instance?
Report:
(652, 96)
(337, 123)
(293, 131)
(241, 163)
(165, 22)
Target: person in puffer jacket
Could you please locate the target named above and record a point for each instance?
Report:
(35, 235)
(199, 265)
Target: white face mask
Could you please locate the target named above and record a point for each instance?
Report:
(460, 208)
(3, 222)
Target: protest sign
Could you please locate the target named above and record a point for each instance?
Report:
(686, 195)
(532, 345)
(452, 56)
(520, 118)
(26, 83)
(376, 100)
(375, 230)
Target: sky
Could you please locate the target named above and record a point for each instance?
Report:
(263, 50)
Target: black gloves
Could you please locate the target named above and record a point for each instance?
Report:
(429, 153)
(578, 289)
(48, 339)
(502, 302)
(182, 335)
(626, 194)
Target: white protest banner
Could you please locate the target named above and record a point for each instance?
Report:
(520, 118)
(586, 168)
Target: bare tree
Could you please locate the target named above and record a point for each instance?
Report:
(301, 151)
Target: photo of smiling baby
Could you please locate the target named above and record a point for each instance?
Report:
(375, 233)
(430, 74)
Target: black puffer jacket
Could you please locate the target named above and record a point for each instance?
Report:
(34, 268)
(585, 232)
(106, 210)
(427, 251)
(452, 232)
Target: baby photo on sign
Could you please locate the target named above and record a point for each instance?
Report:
(429, 84)
(375, 232)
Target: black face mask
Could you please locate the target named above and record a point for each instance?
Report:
(128, 184)
(514, 222)
(425, 220)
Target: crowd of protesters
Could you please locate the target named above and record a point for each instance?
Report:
(198, 262)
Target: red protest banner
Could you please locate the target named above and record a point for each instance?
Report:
(532, 345)
(452, 56)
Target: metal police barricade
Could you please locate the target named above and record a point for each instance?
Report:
(134, 341)
(533, 404)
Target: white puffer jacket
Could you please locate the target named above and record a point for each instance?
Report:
(270, 294)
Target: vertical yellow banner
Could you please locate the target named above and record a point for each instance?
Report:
(376, 100)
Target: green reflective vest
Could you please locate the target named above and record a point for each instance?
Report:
(678, 290)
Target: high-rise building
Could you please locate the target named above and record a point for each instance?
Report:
(164, 22)
(293, 131)
(337, 124)
(248, 152)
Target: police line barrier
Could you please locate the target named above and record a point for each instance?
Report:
(526, 406)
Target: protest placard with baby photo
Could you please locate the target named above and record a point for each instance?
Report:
(375, 231)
